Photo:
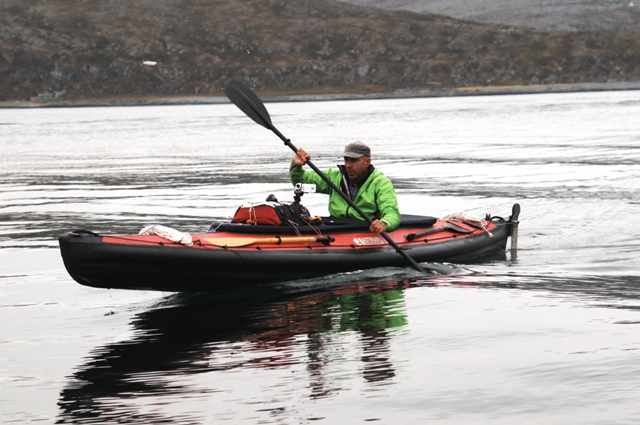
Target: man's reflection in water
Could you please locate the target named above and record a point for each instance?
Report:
(369, 314)
(373, 314)
(375, 356)
(376, 316)
(205, 334)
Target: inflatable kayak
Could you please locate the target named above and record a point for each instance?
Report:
(231, 255)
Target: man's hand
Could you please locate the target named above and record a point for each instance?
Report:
(377, 226)
(301, 157)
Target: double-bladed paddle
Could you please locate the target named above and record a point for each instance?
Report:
(252, 106)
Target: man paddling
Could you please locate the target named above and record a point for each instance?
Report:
(367, 187)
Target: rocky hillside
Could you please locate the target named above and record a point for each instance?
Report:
(96, 48)
(544, 15)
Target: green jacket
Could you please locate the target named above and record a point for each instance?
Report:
(376, 198)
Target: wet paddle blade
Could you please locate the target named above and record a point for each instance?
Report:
(449, 226)
(248, 102)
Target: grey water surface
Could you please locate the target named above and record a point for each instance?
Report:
(550, 334)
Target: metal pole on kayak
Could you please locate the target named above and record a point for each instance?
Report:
(245, 99)
(514, 220)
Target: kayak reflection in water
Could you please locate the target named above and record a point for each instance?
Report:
(205, 334)
(367, 187)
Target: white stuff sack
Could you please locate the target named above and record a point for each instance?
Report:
(469, 219)
(168, 233)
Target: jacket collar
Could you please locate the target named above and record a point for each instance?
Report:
(348, 187)
(370, 171)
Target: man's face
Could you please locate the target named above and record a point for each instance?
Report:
(356, 167)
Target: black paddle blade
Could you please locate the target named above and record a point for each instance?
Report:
(248, 102)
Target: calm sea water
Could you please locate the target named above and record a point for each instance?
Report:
(550, 335)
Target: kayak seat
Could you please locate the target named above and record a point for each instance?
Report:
(329, 225)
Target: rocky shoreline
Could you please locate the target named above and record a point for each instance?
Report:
(396, 94)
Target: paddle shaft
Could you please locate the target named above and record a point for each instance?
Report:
(254, 108)
(240, 242)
